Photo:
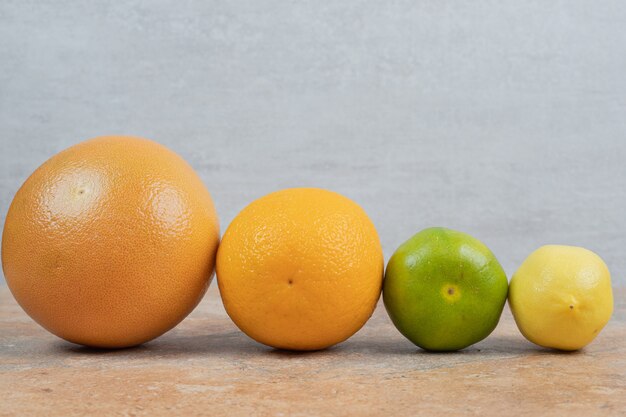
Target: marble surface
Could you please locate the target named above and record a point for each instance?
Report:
(207, 367)
(503, 119)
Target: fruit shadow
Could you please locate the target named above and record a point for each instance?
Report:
(225, 344)
(235, 344)
(514, 346)
(496, 346)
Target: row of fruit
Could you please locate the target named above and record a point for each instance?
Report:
(114, 241)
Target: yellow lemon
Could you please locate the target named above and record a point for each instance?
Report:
(561, 297)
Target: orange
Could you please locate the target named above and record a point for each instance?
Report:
(444, 290)
(300, 269)
(111, 242)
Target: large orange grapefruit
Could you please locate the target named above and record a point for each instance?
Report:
(111, 242)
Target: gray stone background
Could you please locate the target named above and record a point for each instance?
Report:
(504, 119)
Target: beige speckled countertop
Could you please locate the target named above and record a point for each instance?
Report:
(207, 367)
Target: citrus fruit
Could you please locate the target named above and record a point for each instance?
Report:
(300, 269)
(561, 297)
(111, 242)
(444, 290)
